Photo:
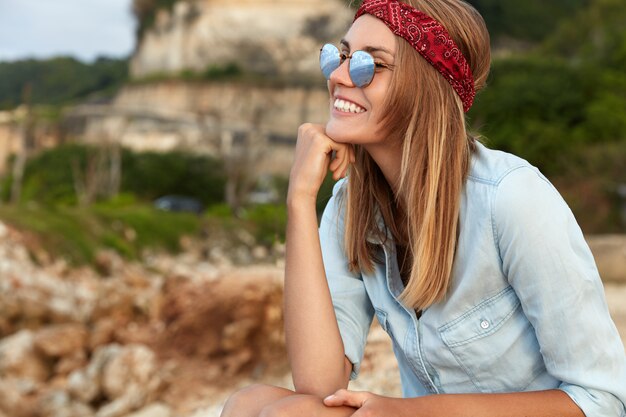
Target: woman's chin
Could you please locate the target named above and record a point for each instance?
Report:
(338, 133)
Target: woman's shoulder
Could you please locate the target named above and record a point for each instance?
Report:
(491, 166)
(508, 185)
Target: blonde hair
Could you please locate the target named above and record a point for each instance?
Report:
(425, 114)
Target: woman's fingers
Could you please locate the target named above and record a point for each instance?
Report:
(346, 398)
(315, 154)
(344, 156)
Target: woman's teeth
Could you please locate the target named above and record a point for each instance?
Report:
(348, 107)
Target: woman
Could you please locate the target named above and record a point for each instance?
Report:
(468, 257)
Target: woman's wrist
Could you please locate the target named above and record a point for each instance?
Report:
(300, 201)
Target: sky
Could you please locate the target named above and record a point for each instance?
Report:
(84, 29)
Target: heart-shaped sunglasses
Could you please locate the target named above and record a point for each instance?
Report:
(362, 65)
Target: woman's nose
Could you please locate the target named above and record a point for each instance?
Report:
(342, 74)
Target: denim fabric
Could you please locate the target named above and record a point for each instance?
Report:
(525, 309)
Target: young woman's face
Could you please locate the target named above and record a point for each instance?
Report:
(362, 124)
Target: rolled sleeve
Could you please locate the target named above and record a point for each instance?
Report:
(352, 305)
(551, 268)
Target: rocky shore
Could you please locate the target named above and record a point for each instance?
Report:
(168, 336)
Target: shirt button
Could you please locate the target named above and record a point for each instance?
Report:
(484, 324)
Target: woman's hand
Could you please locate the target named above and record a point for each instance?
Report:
(368, 404)
(313, 159)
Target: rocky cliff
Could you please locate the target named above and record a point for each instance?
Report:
(228, 120)
(251, 123)
(262, 36)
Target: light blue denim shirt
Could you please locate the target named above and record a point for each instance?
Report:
(525, 309)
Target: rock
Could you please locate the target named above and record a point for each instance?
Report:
(115, 300)
(258, 45)
(102, 333)
(260, 253)
(61, 340)
(6, 326)
(153, 410)
(134, 333)
(81, 386)
(13, 399)
(18, 358)
(58, 403)
(234, 335)
(235, 362)
(107, 262)
(121, 406)
(31, 296)
(70, 363)
(85, 384)
(133, 366)
(245, 316)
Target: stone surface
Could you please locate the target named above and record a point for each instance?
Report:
(61, 340)
(254, 126)
(86, 384)
(213, 33)
(133, 369)
(18, 358)
(14, 400)
(153, 410)
(59, 404)
(244, 315)
(70, 363)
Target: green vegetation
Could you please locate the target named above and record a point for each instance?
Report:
(50, 177)
(130, 227)
(76, 233)
(59, 80)
(267, 222)
(228, 72)
(567, 94)
(126, 221)
(530, 20)
(562, 106)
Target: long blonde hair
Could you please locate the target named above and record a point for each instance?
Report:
(423, 111)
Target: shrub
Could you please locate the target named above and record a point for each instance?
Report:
(49, 177)
(268, 222)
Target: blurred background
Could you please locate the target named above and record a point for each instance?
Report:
(145, 147)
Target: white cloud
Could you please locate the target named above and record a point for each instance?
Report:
(81, 28)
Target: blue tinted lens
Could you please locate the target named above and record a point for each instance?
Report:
(361, 68)
(329, 59)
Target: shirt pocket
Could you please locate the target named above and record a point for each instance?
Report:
(495, 344)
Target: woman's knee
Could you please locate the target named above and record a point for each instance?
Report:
(294, 406)
(249, 401)
(303, 405)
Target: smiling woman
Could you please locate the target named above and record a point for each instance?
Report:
(86, 30)
(468, 257)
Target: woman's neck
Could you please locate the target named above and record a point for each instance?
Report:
(389, 160)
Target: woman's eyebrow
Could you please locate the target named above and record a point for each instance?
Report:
(369, 49)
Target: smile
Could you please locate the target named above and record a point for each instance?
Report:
(347, 107)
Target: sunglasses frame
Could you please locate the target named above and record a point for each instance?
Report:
(343, 57)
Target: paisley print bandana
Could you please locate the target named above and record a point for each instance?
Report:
(428, 37)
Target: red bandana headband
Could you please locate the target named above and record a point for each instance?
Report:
(430, 39)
